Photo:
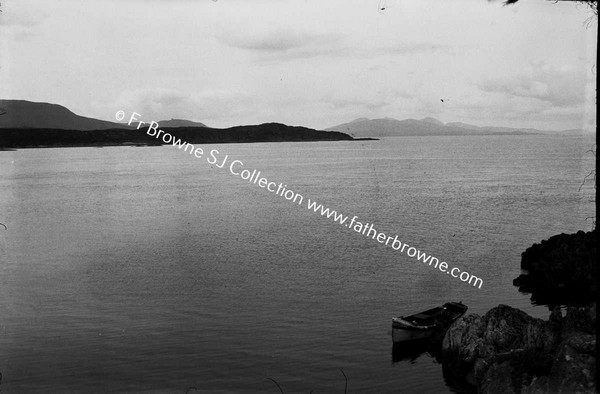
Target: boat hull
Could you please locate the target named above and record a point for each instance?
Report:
(405, 335)
(423, 325)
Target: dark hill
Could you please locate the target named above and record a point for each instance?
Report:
(20, 114)
(25, 124)
(268, 132)
(180, 123)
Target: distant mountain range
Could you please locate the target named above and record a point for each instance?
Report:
(389, 127)
(25, 124)
(30, 124)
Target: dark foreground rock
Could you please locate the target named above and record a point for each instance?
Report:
(508, 351)
(560, 270)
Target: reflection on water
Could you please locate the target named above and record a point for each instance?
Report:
(428, 350)
(411, 351)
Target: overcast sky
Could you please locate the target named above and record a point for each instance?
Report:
(315, 63)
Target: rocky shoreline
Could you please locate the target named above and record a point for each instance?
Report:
(508, 351)
(560, 270)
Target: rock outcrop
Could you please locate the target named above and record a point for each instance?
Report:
(508, 351)
(560, 270)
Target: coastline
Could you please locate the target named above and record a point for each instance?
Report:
(55, 138)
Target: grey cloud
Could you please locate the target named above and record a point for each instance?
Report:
(156, 104)
(270, 41)
(561, 88)
(21, 25)
(355, 103)
(375, 51)
(292, 44)
(418, 47)
(20, 18)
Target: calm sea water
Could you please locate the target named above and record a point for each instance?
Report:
(148, 270)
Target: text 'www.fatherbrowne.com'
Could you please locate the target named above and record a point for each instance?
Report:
(236, 167)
